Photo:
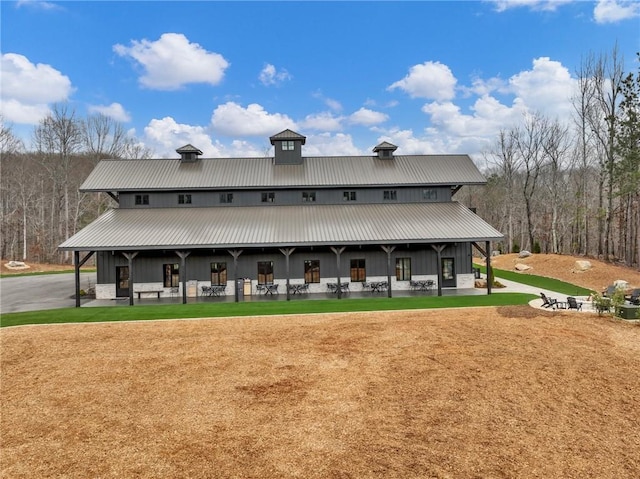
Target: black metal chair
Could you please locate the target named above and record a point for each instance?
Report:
(548, 302)
(574, 304)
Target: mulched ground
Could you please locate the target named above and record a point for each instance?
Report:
(473, 393)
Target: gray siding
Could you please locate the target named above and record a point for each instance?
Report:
(148, 267)
(285, 197)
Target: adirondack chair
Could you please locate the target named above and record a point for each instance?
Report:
(548, 302)
(573, 304)
(635, 297)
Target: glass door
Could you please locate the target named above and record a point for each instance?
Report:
(122, 281)
(448, 273)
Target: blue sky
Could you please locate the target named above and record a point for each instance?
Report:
(430, 77)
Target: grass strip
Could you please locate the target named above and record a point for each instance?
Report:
(40, 273)
(217, 310)
(541, 282)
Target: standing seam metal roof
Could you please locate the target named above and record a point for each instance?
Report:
(314, 172)
(300, 225)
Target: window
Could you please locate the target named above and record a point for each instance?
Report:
(390, 195)
(219, 273)
(429, 194)
(403, 269)
(308, 196)
(288, 145)
(311, 271)
(142, 199)
(171, 275)
(349, 196)
(184, 199)
(386, 153)
(269, 197)
(358, 271)
(226, 197)
(265, 272)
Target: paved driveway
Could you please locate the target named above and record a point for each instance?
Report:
(47, 291)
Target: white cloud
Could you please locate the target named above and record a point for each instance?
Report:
(327, 144)
(544, 5)
(367, 117)
(233, 120)
(38, 4)
(431, 80)
(333, 104)
(612, 11)
(165, 136)
(172, 61)
(546, 88)
(271, 76)
(28, 89)
(324, 121)
(115, 111)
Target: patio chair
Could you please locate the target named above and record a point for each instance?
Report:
(548, 302)
(610, 291)
(574, 304)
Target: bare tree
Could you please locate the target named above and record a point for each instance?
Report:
(58, 138)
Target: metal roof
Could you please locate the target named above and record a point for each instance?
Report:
(273, 226)
(317, 172)
(288, 135)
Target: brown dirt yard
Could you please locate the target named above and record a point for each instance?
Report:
(501, 392)
(563, 267)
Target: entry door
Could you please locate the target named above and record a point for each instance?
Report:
(122, 281)
(448, 273)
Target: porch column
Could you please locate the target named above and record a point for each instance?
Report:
(183, 273)
(338, 251)
(130, 257)
(485, 253)
(287, 252)
(236, 254)
(439, 249)
(78, 264)
(388, 250)
(489, 272)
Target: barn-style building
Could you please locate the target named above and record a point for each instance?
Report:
(239, 226)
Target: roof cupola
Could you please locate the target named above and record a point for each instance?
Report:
(288, 147)
(385, 150)
(188, 153)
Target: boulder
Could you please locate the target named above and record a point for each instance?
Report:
(621, 284)
(524, 254)
(480, 283)
(582, 265)
(522, 267)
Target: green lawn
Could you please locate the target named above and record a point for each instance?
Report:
(208, 310)
(539, 282)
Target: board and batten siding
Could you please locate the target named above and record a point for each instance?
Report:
(283, 197)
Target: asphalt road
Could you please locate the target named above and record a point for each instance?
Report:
(47, 291)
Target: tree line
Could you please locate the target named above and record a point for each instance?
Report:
(552, 187)
(40, 205)
(571, 188)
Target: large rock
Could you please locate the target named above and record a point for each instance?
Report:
(522, 267)
(524, 254)
(582, 265)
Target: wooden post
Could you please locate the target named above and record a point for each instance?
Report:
(183, 273)
(439, 248)
(489, 275)
(78, 264)
(130, 257)
(287, 252)
(338, 251)
(388, 250)
(236, 254)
